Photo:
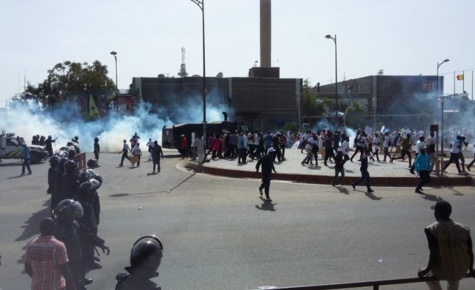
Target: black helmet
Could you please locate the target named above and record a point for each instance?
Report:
(61, 163)
(95, 183)
(98, 178)
(83, 176)
(146, 254)
(53, 161)
(70, 208)
(70, 166)
(96, 139)
(71, 154)
(86, 187)
(92, 163)
(90, 172)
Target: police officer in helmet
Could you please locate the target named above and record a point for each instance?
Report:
(145, 258)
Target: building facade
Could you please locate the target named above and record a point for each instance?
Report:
(395, 101)
(264, 103)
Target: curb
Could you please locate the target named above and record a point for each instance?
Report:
(322, 179)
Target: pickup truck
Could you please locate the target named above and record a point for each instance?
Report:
(11, 147)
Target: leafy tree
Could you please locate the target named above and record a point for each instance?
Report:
(313, 105)
(69, 78)
(292, 126)
(355, 116)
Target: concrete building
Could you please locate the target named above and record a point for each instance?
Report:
(265, 103)
(395, 101)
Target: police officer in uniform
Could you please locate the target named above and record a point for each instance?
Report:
(68, 187)
(145, 258)
(53, 162)
(67, 231)
(85, 197)
(56, 195)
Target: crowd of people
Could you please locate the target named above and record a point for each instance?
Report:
(65, 251)
(336, 147)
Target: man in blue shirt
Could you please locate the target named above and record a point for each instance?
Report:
(25, 155)
(422, 165)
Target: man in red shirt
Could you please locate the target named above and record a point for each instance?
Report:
(46, 261)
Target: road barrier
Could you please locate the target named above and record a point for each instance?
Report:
(375, 284)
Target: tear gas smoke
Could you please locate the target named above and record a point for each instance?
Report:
(64, 123)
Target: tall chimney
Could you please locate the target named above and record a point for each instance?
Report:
(266, 33)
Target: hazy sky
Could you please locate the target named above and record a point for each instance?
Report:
(404, 37)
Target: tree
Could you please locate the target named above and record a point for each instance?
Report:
(292, 126)
(313, 105)
(69, 78)
(355, 116)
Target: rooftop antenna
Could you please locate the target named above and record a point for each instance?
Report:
(182, 73)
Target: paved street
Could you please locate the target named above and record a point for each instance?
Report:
(218, 233)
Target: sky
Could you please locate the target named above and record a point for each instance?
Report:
(403, 37)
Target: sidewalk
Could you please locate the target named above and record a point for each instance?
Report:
(382, 174)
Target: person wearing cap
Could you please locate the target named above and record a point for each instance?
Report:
(450, 245)
(267, 168)
(423, 165)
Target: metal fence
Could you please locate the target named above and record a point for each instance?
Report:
(375, 284)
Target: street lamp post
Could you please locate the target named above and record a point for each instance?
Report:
(201, 5)
(115, 57)
(442, 99)
(328, 36)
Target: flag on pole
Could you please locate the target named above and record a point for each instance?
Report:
(460, 77)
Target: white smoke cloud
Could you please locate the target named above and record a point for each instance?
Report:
(27, 120)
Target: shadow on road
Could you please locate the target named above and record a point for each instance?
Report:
(266, 205)
(430, 197)
(343, 190)
(372, 196)
(32, 225)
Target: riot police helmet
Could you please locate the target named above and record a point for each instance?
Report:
(96, 139)
(86, 187)
(95, 182)
(84, 176)
(92, 163)
(146, 255)
(91, 172)
(72, 154)
(61, 163)
(70, 166)
(53, 161)
(70, 208)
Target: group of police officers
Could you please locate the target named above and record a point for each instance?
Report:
(75, 208)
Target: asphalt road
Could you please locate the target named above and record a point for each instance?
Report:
(218, 233)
